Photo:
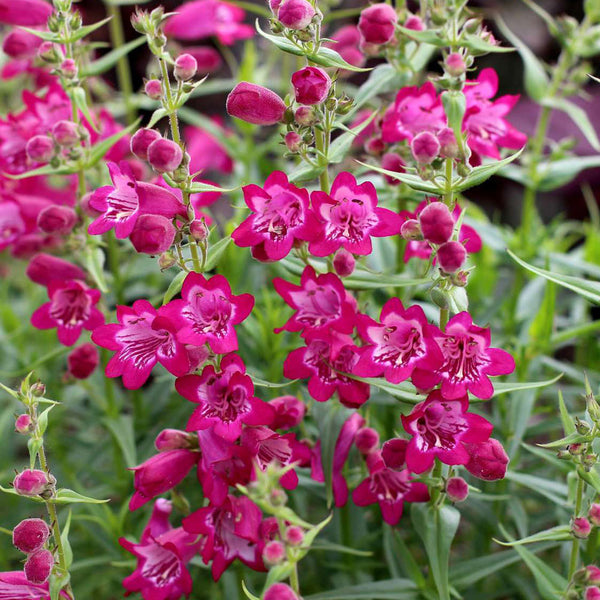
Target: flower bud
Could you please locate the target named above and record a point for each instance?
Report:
(460, 278)
(455, 64)
(57, 219)
(592, 574)
(377, 23)
(289, 412)
(437, 223)
(581, 528)
(65, 133)
(38, 389)
(39, 566)
(30, 535)
(185, 67)
(82, 361)
(48, 52)
(366, 440)
(392, 162)
(375, 146)
(172, 439)
(594, 514)
(592, 593)
(425, 147)
(280, 591)
(457, 489)
(23, 424)
(273, 553)
(411, 230)
(152, 234)
(153, 89)
(20, 44)
(448, 144)
(487, 460)
(305, 115)
(414, 23)
(576, 449)
(164, 155)
(31, 482)
(278, 497)
(451, 256)
(343, 263)
(198, 230)
(68, 68)
(44, 268)
(255, 104)
(294, 535)
(166, 260)
(40, 148)
(141, 140)
(311, 85)
(296, 14)
(293, 141)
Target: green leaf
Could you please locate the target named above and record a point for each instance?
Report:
(215, 252)
(427, 36)
(560, 533)
(94, 262)
(588, 289)
(43, 420)
(67, 496)
(45, 170)
(44, 35)
(383, 78)
(542, 325)
(390, 589)
(590, 477)
(199, 186)
(413, 181)
(455, 105)
(579, 117)
(506, 387)
(57, 584)
(327, 546)
(157, 115)
(437, 528)
(258, 382)
(311, 534)
(34, 445)
(278, 573)
(555, 491)
(87, 29)
(106, 62)
(174, 287)
(80, 99)
(565, 417)
(98, 151)
(122, 431)
(476, 44)
(572, 438)
(249, 595)
(404, 391)
(483, 172)
(64, 538)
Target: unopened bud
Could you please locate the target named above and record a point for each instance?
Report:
(581, 528)
(293, 141)
(425, 147)
(153, 89)
(23, 424)
(65, 133)
(278, 497)
(68, 68)
(344, 263)
(40, 148)
(173, 439)
(451, 256)
(305, 115)
(39, 566)
(31, 482)
(455, 64)
(273, 553)
(294, 535)
(457, 489)
(166, 260)
(38, 389)
(198, 230)
(185, 67)
(411, 230)
(366, 440)
(30, 535)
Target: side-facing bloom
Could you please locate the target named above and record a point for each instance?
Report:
(122, 203)
(255, 104)
(162, 555)
(350, 216)
(71, 309)
(402, 342)
(141, 338)
(280, 216)
(468, 361)
(438, 428)
(207, 312)
(343, 445)
(44, 268)
(26, 12)
(320, 301)
(225, 399)
(14, 586)
(231, 531)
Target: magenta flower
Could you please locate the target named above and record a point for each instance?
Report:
(231, 531)
(389, 486)
(14, 586)
(343, 445)
(71, 309)
(44, 268)
(255, 104)
(468, 361)
(350, 216)
(280, 216)
(345, 41)
(206, 18)
(321, 303)
(402, 342)
(122, 203)
(161, 473)
(162, 555)
(289, 412)
(207, 312)
(226, 399)
(487, 460)
(207, 152)
(438, 428)
(325, 359)
(140, 339)
(27, 12)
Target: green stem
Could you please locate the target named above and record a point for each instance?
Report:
(576, 541)
(448, 192)
(444, 314)
(195, 256)
(322, 159)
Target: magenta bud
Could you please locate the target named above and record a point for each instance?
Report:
(311, 85)
(69, 68)
(581, 527)
(592, 593)
(393, 452)
(460, 278)
(487, 461)
(414, 23)
(185, 67)
(40, 148)
(344, 263)
(294, 535)
(393, 162)
(82, 361)
(255, 104)
(437, 223)
(289, 412)
(152, 234)
(451, 256)
(457, 489)
(84, 204)
(305, 116)
(293, 141)
(366, 440)
(295, 14)
(31, 482)
(172, 439)
(39, 566)
(273, 553)
(65, 133)
(23, 424)
(20, 44)
(375, 146)
(377, 23)
(141, 140)
(274, 5)
(153, 89)
(455, 64)
(47, 51)
(57, 219)
(280, 591)
(198, 230)
(592, 574)
(594, 514)
(425, 147)
(448, 144)
(44, 268)
(30, 535)
(411, 230)
(164, 155)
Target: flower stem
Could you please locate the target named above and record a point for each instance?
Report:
(575, 546)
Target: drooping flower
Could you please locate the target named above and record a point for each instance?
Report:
(44, 268)
(343, 445)
(402, 342)
(207, 312)
(226, 399)
(438, 428)
(280, 216)
(71, 309)
(468, 361)
(162, 555)
(122, 203)
(231, 531)
(141, 338)
(325, 360)
(82, 361)
(321, 303)
(488, 460)
(350, 216)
